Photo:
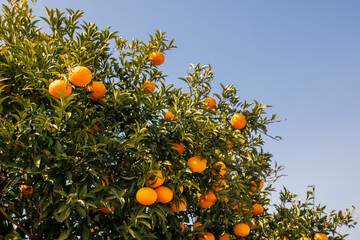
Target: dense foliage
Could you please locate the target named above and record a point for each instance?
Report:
(72, 166)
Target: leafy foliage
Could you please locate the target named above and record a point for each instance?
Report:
(75, 174)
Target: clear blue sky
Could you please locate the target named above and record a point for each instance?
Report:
(302, 57)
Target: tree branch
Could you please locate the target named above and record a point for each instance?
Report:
(14, 222)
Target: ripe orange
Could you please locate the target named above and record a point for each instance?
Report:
(197, 164)
(224, 237)
(238, 121)
(242, 229)
(258, 209)
(157, 58)
(146, 196)
(207, 236)
(221, 166)
(60, 86)
(320, 236)
(80, 76)
(27, 190)
(155, 179)
(241, 206)
(93, 229)
(181, 189)
(98, 89)
(179, 147)
(211, 197)
(182, 205)
(230, 145)
(210, 103)
(254, 188)
(164, 194)
(304, 238)
(204, 203)
(105, 210)
(95, 128)
(220, 185)
(168, 116)
(149, 85)
(105, 181)
(196, 225)
(183, 226)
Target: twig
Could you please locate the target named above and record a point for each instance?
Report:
(14, 222)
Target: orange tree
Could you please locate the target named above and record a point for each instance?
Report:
(95, 143)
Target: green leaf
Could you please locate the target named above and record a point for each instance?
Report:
(37, 161)
(58, 147)
(64, 215)
(81, 211)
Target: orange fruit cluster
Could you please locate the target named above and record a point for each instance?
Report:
(80, 76)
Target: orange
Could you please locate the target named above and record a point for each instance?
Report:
(238, 121)
(182, 206)
(179, 148)
(204, 203)
(241, 206)
(181, 189)
(242, 229)
(105, 210)
(93, 229)
(98, 89)
(27, 190)
(60, 86)
(5, 89)
(146, 196)
(221, 166)
(80, 76)
(155, 181)
(196, 225)
(320, 236)
(211, 197)
(210, 103)
(157, 58)
(230, 145)
(149, 85)
(207, 236)
(96, 128)
(254, 188)
(183, 226)
(168, 116)
(197, 164)
(219, 185)
(258, 209)
(304, 238)
(224, 237)
(105, 181)
(164, 194)
(90, 130)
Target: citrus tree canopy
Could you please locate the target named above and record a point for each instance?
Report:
(95, 143)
